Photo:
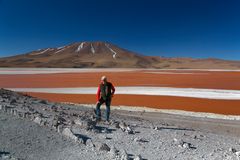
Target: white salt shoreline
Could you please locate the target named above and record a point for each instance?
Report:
(140, 90)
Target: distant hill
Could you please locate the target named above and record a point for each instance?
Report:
(107, 55)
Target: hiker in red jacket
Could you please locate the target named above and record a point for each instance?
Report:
(105, 93)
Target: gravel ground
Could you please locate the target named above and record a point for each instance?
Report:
(31, 128)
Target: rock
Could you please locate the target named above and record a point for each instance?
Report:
(24, 115)
(4, 108)
(102, 136)
(58, 120)
(125, 128)
(80, 140)
(14, 112)
(38, 120)
(68, 133)
(53, 108)
(183, 144)
(129, 130)
(141, 140)
(124, 155)
(105, 130)
(113, 152)
(117, 124)
(59, 128)
(12, 101)
(138, 157)
(11, 111)
(8, 109)
(238, 154)
(199, 137)
(186, 145)
(89, 143)
(102, 147)
(233, 150)
(86, 124)
(156, 128)
(43, 101)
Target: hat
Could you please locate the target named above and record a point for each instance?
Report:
(104, 78)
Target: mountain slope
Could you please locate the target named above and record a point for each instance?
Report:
(106, 55)
(84, 54)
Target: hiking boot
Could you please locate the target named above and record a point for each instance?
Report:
(107, 122)
(98, 120)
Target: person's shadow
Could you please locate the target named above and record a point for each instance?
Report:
(106, 129)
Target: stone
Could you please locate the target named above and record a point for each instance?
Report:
(233, 150)
(12, 101)
(237, 154)
(38, 120)
(58, 120)
(129, 130)
(80, 140)
(141, 140)
(8, 109)
(43, 101)
(138, 157)
(89, 143)
(113, 152)
(69, 134)
(186, 145)
(125, 128)
(59, 128)
(105, 130)
(156, 128)
(86, 124)
(102, 147)
(24, 115)
(54, 108)
(5, 108)
(117, 124)
(175, 139)
(14, 112)
(124, 155)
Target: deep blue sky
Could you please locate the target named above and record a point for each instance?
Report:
(172, 28)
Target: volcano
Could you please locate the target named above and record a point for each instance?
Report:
(106, 55)
(79, 55)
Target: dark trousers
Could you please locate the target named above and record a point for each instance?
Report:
(107, 112)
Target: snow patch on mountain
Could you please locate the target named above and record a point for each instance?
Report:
(60, 47)
(38, 53)
(92, 49)
(44, 51)
(80, 47)
(114, 53)
(60, 50)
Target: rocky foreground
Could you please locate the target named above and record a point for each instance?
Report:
(32, 128)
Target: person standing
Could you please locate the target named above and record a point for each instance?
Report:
(105, 93)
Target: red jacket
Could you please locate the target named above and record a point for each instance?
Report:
(99, 90)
